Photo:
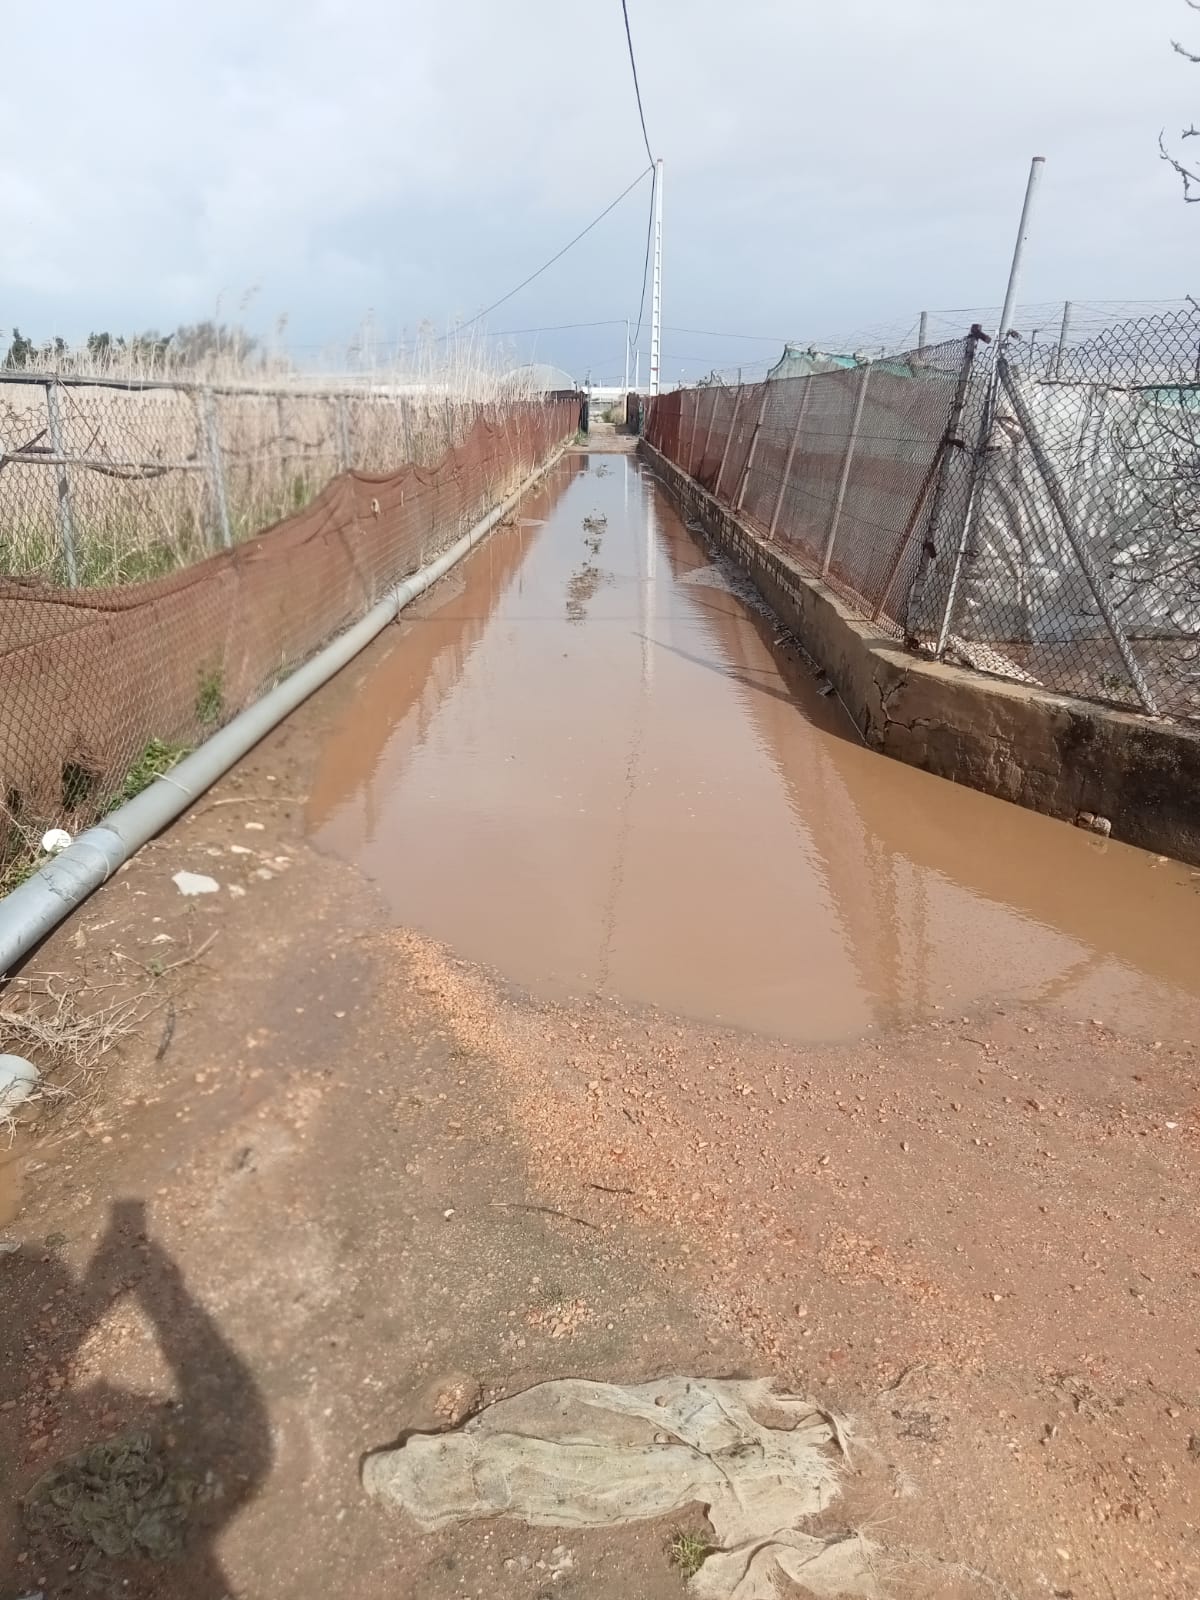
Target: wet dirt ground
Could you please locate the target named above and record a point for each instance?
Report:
(585, 1001)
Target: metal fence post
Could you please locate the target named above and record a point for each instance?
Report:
(1062, 337)
(696, 466)
(791, 456)
(847, 463)
(408, 449)
(281, 445)
(753, 450)
(66, 520)
(737, 406)
(694, 399)
(922, 330)
(989, 404)
(216, 465)
(979, 467)
(345, 460)
(1083, 555)
(940, 467)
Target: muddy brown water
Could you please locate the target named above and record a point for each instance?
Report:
(585, 763)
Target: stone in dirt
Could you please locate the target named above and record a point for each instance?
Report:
(195, 883)
(576, 1454)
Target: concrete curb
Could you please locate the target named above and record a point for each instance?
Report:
(1048, 752)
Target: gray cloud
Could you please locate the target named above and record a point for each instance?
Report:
(829, 169)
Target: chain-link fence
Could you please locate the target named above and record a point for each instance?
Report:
(830, 465)
(1033, 513)
(105, 482)
(104, 683)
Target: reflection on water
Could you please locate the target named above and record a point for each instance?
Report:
(582, 764)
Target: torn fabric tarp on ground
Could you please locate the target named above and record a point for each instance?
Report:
(575, 1454)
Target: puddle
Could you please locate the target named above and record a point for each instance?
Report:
(584, 766)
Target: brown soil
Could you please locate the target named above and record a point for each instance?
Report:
(359, 1186)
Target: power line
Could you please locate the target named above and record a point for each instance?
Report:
(636, 86)
(708, 333)
(479, 315)
(556, 327)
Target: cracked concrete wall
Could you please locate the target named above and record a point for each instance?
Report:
(1049, 752)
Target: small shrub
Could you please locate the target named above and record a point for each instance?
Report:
(688, 1553)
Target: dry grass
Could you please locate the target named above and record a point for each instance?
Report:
(142, 500)
(67, 1039)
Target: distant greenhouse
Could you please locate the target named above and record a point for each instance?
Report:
(538, 377)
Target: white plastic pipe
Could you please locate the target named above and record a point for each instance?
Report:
(36, 906)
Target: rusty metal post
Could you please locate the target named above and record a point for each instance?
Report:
(847, 463)
(737, 406)
(938, 469)
(753, 450)
(66, 518)
(791, 455)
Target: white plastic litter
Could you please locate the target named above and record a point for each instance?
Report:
(55, 840)
(574, 1454)
(195, 883)
(18, 1079)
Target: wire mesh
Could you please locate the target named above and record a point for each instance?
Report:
(1032, 513)
(829, 465)
(116, 654)
(102, 484)
(1069, 552)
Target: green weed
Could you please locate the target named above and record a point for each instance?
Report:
(688, 1553)
(156, 758)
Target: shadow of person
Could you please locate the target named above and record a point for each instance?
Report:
(209, 1445)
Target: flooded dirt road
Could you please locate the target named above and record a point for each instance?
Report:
(390, 1132)
(590, 767)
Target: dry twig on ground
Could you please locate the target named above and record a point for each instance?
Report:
(66, 1041)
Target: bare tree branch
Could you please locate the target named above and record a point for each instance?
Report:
(1190, 178)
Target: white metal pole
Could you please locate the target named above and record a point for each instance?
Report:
(1062, 338)
(989, 408)
(1014, 272)
(626, 355)
(656, 296)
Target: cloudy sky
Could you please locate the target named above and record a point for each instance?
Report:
(830, 168)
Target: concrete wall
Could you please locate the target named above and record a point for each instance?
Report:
(1045, 751)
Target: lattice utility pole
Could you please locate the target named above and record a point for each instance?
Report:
(656, 297)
